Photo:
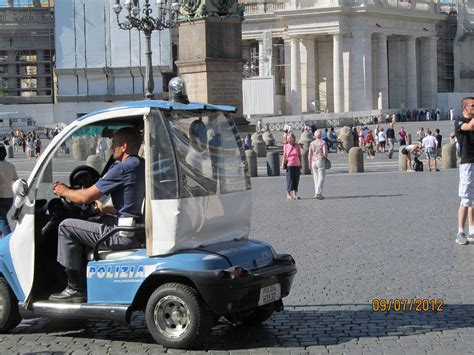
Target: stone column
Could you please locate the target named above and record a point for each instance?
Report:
(308, 74)
(429, 72)
(338, 74)
(394, 68)
(361, 86)
(295, 81)
(382, 72)
(260, 58)
(412, 90)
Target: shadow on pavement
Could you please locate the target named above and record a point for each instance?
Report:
(297, 326)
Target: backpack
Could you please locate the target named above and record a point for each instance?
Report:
(417, 164)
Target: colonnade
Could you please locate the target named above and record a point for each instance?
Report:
(363, 71)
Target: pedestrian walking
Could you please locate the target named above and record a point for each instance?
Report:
(248, 142)
(382, 140)
(439, 141)
(390, 134)
(102, 147)
(361, 138)
(430, 143)
(317, 156)
(369, 144)
(402, 136)
(463, 128)
(355, 137)
(333, 139)
(7, 176)
(376, 137)
(420, 134)
(37, 146)
(292, 163)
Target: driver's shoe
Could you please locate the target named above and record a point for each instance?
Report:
(68, 295)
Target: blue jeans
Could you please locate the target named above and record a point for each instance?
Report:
(292, 178)
(5, 205)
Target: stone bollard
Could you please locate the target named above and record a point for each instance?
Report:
(356, 160)
(273, 163)
(92, 143)
(448, 156)
(259, 145)
(408, 138)
(268, 138)
(48, 174)
(80, 150)
(94, 162)
(347, 138)
(252, 162)
(305, 140)
(10, 151)
(402, 163)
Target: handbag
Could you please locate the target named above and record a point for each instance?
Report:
(327, 163)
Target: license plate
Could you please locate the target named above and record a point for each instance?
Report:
(269, 294)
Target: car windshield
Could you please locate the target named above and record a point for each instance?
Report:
(209, 155)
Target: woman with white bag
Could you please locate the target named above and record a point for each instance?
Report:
(318, 153)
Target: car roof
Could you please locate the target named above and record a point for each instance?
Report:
(166, 106)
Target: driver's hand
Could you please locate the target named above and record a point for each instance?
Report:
(59, 189)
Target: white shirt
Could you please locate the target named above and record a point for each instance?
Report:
(382, 136)
(411, 147)
(7, 176)
(429, 142)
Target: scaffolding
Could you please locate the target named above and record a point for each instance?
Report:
(446, 31)
(26, 51)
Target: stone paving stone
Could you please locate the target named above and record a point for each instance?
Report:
(80, 352)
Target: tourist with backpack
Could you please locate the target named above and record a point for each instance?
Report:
(407, 152)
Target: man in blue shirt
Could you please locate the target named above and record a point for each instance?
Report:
(125, 183)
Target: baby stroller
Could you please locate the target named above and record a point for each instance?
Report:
(417, 164)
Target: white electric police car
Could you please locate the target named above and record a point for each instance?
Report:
(197, 263)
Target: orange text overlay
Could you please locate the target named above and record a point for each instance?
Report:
(410, 305)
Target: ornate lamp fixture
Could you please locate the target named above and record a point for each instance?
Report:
(142, 20)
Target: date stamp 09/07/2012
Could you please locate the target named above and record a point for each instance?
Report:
(407, 305)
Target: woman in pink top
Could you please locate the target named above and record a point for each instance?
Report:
(318, 152)
(292, 154)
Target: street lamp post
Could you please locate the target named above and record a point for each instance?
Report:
(142, 20)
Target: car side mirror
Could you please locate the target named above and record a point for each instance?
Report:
(20, 190)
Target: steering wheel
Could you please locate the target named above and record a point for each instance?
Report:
(81, 177)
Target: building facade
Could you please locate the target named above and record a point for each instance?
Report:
(347, 55)
(69, 57)
(26, 52)
(97, 61)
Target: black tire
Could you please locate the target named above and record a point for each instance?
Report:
(9, 313)
(193, 321)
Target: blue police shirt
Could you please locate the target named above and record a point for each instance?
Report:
(125, 183)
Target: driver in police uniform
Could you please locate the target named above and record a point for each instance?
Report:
(125, 183)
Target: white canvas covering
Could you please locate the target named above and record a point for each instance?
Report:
(259, 95)
(188, 223)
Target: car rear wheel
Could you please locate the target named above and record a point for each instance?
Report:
(9, 313)
(177, 317)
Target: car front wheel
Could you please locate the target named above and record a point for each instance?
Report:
(9, 313)
(177, 317)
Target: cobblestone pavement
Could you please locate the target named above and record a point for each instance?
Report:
(377, 235)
